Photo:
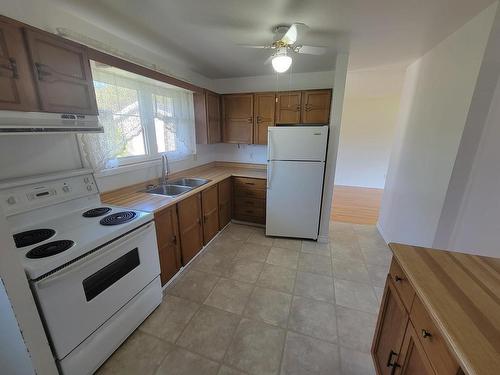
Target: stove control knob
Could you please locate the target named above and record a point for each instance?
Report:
(86, 180)
(89, 187)
(66, 189)
(11, 200)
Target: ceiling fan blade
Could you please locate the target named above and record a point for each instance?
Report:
(253, 46)
(294, 33)
(311, 50)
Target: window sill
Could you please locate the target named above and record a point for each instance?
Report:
(151, 163)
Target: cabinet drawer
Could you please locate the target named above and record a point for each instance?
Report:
(252, 211)
(254, 183)
(249, 192)
(249, 203)
(434, 345)
(405, 290)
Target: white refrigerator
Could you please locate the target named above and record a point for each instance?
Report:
(295, 172)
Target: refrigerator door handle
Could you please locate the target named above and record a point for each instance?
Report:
(270, 139)
(269, 175)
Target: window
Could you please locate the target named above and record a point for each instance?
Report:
(142, 118)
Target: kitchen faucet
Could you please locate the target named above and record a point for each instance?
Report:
(165, 169)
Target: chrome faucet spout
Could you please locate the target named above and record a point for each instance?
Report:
(165, 169)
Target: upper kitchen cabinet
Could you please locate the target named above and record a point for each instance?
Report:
(264, 110)
(237, 112)
(62, 74)
(288, 106)
(17, 89)
(207, 106)
(316, 106)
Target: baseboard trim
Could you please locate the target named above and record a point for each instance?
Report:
(323, 239)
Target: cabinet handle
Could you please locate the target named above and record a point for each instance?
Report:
(204, 218)
(12, 66)
(389, 360)
(426, 333)
(250, 119)
(198, 221)
(41, 72)
(398, 278)
(174, 239)
(259, 120)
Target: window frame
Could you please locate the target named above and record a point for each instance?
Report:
(147, 116)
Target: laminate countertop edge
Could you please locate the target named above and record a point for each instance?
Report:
(423, 282)
(134, 196)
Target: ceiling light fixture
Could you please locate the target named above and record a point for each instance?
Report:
(281, 61)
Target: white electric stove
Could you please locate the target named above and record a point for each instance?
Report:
(93, 268)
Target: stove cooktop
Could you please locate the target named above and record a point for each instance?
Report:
(84, 233)
(96, 212)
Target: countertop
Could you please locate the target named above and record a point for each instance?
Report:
(133, 197)
(461, 292)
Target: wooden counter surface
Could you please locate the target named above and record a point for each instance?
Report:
(461, 292)
(133, 196)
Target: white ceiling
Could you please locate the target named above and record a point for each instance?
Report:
(205, 33)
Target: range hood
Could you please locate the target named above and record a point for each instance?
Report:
(14, 122)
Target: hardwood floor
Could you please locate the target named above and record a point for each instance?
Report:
(357, 205)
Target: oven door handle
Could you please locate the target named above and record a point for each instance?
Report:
(84, 261)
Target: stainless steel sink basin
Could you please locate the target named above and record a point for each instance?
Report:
(170, 190)
(191, 182)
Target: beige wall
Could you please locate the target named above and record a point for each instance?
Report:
(369, 118)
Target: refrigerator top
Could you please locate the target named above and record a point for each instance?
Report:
(297, 143)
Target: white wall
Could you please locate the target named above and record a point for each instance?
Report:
(435, 103)
(370, 111)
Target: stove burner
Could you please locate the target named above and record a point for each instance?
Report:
(95, 212)
(49, 249)
(118, 218)
(32, 237)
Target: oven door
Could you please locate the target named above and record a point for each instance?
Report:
(80, 297)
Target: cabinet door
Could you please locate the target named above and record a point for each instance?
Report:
(62, 74)
(316, 106)
(17, 89)
(413, 360)
(390, 331)
(264, 109)
(225, 200)
(190, 228)
(210, 206)
(167, 235)
(238, 118)
(213, 117)
(288, 107)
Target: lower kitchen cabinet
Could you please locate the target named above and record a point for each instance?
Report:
(393, 319)
(167, 235)
(190, 227)
(406, 341)
(225, 202)
(210, 207)
(249, 199)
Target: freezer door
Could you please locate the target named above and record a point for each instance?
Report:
(297, 143)
(294, 198)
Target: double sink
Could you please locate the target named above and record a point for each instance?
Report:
(177, 187)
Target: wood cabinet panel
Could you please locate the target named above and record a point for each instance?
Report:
(225, 202)
(62, 74)
(316, 106)
(210, 207)
(213, 117)
(288, 105)
(17, 89)
(249, 199)
(207, 112)
(413, 360)
(402, 284)
(432, 341)
(190, 227)
(390, 331)
(167, 235)
(238, 118)
(264, 110)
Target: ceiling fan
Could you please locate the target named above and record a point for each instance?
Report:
(287, 44)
